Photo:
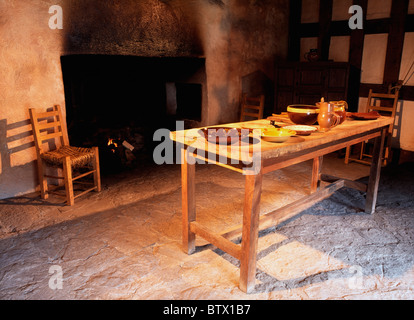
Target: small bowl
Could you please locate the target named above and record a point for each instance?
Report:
(277, 134)
(303, 114)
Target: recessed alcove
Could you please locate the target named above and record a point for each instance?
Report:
(112, 99)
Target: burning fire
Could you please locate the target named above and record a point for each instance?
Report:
(111, 142)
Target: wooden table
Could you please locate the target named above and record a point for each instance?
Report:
(272, 156)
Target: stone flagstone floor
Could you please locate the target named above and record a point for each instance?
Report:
(125, 242)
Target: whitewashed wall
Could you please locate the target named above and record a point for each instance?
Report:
(373, 61)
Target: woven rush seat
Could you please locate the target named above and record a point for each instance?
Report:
(79, 157)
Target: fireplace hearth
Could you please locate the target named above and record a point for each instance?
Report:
(118, 102)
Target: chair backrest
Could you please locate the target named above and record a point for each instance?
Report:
(47, 126)
(389, 110)
(252, 107)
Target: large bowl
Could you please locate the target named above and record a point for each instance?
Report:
(303, 114)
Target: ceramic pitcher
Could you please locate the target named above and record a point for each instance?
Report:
(327, 118)
(340, 108)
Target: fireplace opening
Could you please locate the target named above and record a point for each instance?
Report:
(118, 102)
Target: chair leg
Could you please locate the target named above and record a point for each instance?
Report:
(97, 173)
(42, 179)
(67, 172)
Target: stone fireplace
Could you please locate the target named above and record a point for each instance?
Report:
(118, 102)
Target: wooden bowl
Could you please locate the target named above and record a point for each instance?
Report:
(223, 135)
(303, 114)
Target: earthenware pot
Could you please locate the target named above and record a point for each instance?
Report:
(327, 118)
(303, 114)
(312, 55)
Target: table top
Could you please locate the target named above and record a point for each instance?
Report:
(348, 128)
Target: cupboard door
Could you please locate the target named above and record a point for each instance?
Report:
(310, 99)
(336, 96)
(338, 78)
(284, 98)
(311, 77)
(285, 77)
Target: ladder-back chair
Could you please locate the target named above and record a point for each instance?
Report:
(388, 110)
(252, 108)
(49, 127)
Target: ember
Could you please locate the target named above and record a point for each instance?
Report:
(112, 145)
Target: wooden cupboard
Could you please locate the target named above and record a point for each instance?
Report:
(308, 82)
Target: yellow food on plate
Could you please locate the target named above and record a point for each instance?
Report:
(278, 132)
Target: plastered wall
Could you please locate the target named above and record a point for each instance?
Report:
(237, 38)
(30, 76)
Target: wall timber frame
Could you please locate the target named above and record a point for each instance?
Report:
(395, 26)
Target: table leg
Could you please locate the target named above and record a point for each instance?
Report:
(188, 202)
(316, 174)
(374, 176)
(250, 232)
